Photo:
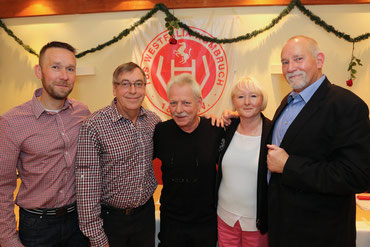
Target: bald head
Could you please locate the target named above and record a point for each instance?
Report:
(310, 43)
(302, 62)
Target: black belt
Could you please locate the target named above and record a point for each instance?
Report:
(53, 211)
(127, 211)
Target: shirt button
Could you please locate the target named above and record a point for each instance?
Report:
(66, 153)
(62, 133)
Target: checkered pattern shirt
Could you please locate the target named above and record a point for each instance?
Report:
(114, 166)
(42, 146)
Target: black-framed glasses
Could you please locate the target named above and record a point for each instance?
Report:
(128, 84)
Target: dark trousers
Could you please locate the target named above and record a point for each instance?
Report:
(135, 230)
(179, 234)
(50, 231)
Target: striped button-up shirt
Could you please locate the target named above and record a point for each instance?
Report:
(42, 146)
(114, 166)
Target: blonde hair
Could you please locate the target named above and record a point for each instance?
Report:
(252, 85)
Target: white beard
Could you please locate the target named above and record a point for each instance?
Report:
(297, 83)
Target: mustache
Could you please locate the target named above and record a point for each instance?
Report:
(62, 83)
(295, 73)
(182, 114)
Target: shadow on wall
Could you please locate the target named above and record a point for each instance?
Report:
(16, 66)
(280, 87)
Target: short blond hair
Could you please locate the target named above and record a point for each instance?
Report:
(252, 85)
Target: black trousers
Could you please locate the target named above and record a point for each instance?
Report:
(180, 234)
(50, 231)
(136, 230)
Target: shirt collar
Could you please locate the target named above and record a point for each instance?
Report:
(307, 93)
(38, 109)
(117, 116)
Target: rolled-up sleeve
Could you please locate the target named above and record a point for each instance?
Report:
(88, 186)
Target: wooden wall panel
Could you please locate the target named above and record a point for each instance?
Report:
(22, 8)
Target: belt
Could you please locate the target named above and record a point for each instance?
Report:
(127, 211)
(53, 211)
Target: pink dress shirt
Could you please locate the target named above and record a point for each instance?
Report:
(42, 146)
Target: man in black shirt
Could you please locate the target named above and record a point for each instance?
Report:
(187, 145)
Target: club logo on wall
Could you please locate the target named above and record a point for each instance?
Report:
(206, 61)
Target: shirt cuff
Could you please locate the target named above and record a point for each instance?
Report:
(99, 241)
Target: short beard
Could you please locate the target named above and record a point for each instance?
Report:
(55, 95)
(297, 85)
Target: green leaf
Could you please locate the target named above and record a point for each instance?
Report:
(353, 71)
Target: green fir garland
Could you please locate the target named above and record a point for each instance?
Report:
(173, 23)
(19, 41)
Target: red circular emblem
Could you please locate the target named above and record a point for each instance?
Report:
(204, 60)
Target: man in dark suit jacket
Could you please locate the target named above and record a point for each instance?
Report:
(319, 157)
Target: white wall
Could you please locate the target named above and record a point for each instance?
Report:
(255, 57)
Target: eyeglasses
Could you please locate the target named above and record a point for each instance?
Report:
(127, 84)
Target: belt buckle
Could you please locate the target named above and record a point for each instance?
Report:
(129, 211)
(61, 211)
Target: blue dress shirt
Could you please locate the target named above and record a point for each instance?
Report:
(296, 102)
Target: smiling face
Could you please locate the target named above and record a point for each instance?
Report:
(301, 63)
(129, 99)
(184, 107)
(247, 103)
(57, 71)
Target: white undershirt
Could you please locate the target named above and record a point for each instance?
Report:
(238, 189)
(56, 111)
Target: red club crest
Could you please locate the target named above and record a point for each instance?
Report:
(206, 61)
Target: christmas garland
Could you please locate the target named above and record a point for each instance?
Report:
(19, 41)
(173, 23)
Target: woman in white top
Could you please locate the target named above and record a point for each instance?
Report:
(242, 172)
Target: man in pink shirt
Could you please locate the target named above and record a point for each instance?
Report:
(39, 140)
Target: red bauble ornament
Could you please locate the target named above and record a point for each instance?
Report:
(349, 83)
(173, 41)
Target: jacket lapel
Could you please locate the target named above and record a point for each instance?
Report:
(311, 107)
(280, 109)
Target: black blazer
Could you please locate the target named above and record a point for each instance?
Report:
(261, 221)
(312, 202)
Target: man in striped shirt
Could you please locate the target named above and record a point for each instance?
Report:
(39, 139)
(114, 177)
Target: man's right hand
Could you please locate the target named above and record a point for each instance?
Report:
(215, 120)
(227, 115)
